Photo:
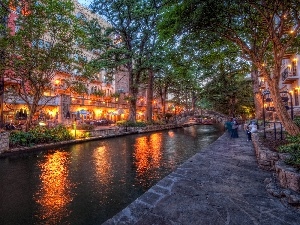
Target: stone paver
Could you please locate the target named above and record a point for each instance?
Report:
(220, 185)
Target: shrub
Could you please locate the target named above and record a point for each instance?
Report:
(39, 135)
(131, 124)
(20, 138)
(85, 126)
(293, 148)
(297, 120)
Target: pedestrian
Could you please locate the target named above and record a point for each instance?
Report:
(253, 127)
(228, 126)
(235, 126)
(248, 131)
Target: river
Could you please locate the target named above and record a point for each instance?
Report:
(90, 182)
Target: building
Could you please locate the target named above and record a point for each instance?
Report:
(104, 98)
(289, 87)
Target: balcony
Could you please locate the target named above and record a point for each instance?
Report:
(289, 76)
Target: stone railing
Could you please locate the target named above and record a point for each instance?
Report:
(113, 131)
(4, 141)
(287, 176)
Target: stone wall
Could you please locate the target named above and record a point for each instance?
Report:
(4, 141)
(288, 177)
(266, 158)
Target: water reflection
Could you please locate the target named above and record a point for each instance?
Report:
(54, 193)
(171, 133)
(147, 154)
(102, 164)
(88, 183)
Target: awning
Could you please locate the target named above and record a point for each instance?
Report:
(84, 112)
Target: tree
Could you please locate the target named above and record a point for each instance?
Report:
(178, 75)
(223, 75)
(261, 30)
(41, 44)
(132, 31)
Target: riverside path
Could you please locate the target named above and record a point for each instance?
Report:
(222, 184)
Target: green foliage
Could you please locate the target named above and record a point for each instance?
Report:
(85, 126)
(43, 43)
(131, 124)
(297, 120)
(99, 93)
(202, 25)
(130, 43)
(293, 148)
(39, 135)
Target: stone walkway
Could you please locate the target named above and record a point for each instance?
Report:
(220, 185)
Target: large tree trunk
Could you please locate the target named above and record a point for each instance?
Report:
(149, 96)
(32, 110)
(257, 95)
(133, 91)
(281, 111)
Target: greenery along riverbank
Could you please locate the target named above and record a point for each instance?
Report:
(45, 135)
(39, 135)
(289, 144)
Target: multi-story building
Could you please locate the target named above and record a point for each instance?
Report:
(105, 98)
(290, 79)
(289, 87)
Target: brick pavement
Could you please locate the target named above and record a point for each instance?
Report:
(222, 184)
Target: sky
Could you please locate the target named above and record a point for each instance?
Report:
(85, 2)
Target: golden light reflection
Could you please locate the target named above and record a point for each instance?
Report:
(103, 167)
(54, 193)
(193, 131)
(171, 133)
(148, 155)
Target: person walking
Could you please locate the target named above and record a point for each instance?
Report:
(248, 131)
(228, 126)
(253, 127)
(235, 126)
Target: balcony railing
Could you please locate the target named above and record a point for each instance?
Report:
(89, 102)
(289, 76)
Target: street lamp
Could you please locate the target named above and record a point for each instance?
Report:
(267, 92)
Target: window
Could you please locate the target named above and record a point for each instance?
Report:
(94, 89)
(75, 72)
(18, 9)
(17, 28)
(41, 44)
(80, 16)
(76, 57)
(47, 45)
(34, 44)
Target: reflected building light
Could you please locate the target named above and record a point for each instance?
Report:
(141, 154)
(54, 193)
(102, 164)
(171, 133)
(148, 154)
(156, 145)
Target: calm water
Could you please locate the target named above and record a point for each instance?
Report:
(89, 183)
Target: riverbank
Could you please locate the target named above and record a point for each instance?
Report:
(220, 185)
(101, 132)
